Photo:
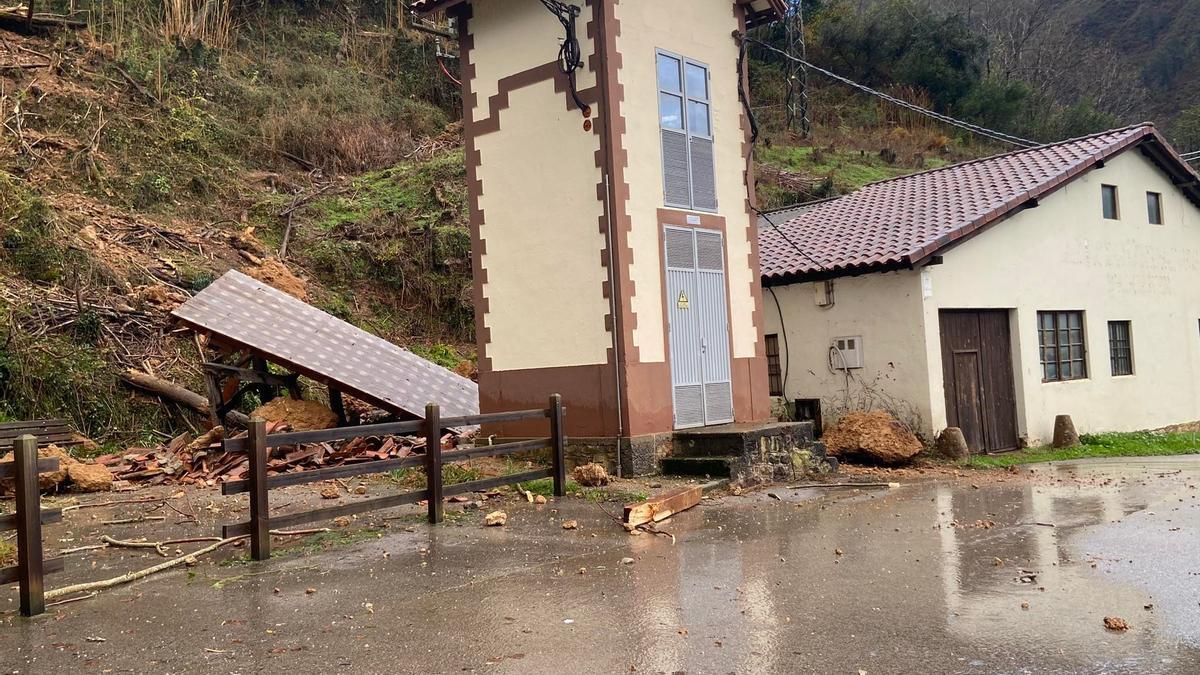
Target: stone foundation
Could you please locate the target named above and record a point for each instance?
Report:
(755, 454)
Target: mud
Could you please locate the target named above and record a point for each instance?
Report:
(753, 584)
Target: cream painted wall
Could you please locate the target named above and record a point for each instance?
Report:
(885, 309)
(1065, 255)
(512, 36)
(541, 214)
(700, 30)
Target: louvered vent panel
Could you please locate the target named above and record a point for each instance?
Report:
(689, 406)
(677, 187)
(704, 179)
(681, 252)
(718, 403)
(709, 255)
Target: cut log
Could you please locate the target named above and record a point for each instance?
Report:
(176, 393)
(662, 507)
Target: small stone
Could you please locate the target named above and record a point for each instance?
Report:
(342, 521)
(473, 505)
(309, 591)
(496, 519)
(1116, 623)
(539, 499)
(837, 551)
(626, 561)
(360, 490)
(330, 492)
(1024, 605)
(570, 524)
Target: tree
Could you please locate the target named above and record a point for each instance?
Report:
(1185, 132)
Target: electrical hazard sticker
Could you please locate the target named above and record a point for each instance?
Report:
(682, 302)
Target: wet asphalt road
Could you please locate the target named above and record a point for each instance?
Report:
(931, 578)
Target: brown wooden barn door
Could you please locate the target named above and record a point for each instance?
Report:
(977, 368)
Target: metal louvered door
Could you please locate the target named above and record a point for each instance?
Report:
(699, 327)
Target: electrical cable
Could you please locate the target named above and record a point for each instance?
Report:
(946, 119)
(570, 56)
(787, 364)
(446, 71)
(799, 250)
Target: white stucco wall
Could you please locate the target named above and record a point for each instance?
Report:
(699, 30)
(1064, 255)
(885, 309)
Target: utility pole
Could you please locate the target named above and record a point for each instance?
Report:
(798, 120)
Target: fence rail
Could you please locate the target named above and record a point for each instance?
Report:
(31, 567)
(258, 443)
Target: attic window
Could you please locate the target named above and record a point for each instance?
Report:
(1154, 208)
(1108, 194)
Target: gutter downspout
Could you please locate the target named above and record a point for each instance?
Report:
(610, 208)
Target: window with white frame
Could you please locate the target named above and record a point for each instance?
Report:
(685, 121)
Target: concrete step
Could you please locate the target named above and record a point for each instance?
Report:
(740, 439)
(697, 466)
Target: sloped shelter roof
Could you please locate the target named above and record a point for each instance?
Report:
(244, 313)
(902, 222)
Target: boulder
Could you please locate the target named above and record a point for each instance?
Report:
(90, 477)
(299, 415)
(590, 475)
(873, 435)
(48, 480)
(952, 445)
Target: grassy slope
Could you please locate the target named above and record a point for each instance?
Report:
(1139, 444)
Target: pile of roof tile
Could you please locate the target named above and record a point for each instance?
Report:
(187, 462)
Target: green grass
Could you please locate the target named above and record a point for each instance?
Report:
(414, 477)
(850, 169)
(1136, 444)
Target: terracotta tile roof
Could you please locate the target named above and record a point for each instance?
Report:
(761, 11)
(899, 222)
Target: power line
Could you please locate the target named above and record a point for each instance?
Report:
(946, 119)
(1191, 156)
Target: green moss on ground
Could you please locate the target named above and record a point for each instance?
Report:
(1136, 444)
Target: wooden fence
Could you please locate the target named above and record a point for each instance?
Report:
(258, 445)
(31, 568)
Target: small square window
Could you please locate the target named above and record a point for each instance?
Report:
(1154, 208)
(1108, 195)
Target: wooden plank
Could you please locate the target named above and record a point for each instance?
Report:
(43, 437)
(497, 450)
(30, 424)
(44, 465)
(492, 418)
(329, 473)
(336, 434)
(10, 575)
(489, 483)
(317, 515)
(662, 507)
(9, 520)
(433, 462)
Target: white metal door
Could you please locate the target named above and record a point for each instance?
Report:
(699, 327)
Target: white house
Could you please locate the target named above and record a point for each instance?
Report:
(995, 294)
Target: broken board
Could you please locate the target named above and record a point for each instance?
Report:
(663, 506)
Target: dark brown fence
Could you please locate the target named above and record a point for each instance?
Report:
(31, 568)
(258, 444)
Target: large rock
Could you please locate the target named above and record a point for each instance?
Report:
(90, 477)
(952, 445)
(48, 480)
(874, 435)
(299, 415)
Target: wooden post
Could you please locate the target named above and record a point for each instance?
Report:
(266, 391)
(559, 446)
(212, 382)
(260, 528)
(433, 462)
(29, 28)
(337, 405)
(29, 526)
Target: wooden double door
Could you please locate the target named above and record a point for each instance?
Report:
(978, 371)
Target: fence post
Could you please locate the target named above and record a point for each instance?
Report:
(433, 462)
(559, 446)
(29, 526)
(260, 526)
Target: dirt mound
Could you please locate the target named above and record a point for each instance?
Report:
(298, 415)
(276, 274)
(873, 435)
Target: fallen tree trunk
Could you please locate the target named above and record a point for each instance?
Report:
(178, 394)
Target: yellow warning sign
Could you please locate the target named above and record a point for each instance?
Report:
(683, 300)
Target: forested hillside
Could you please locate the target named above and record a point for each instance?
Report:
(316, 144)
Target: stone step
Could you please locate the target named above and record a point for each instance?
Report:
(698, 466)
(741, 439)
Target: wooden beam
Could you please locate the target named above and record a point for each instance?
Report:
(662, 507)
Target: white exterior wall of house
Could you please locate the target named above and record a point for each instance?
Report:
(1062, 255)
(886, 311)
